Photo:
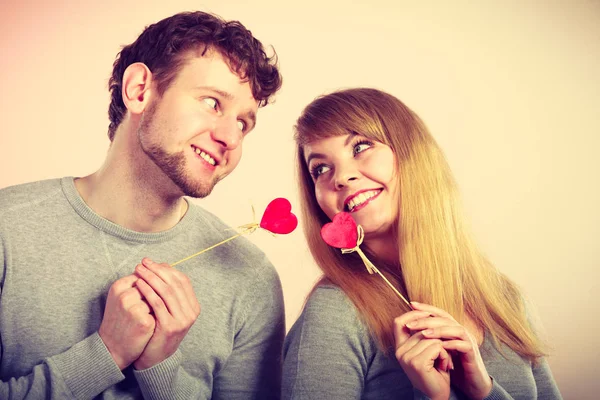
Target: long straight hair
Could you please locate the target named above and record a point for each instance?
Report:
(438, 262)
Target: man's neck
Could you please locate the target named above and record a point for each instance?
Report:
(131, 191)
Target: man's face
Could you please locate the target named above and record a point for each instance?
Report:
(194, 132)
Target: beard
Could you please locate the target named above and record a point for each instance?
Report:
(173, 165)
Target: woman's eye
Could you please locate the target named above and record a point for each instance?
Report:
(319, 170)
(360, 147)
(212, 102)
(242, 126)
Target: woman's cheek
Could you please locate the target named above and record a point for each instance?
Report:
(324, 204)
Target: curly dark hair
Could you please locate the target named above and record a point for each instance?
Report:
(162, 48)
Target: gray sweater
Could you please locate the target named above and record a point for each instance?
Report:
(329, 354)
(59, 259)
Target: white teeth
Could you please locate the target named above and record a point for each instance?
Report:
(361, 198)
(205, 156)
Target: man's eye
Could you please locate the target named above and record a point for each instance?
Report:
(242, 126)
(212, 102)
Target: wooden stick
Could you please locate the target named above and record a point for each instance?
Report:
(370, 265)
(207, 249)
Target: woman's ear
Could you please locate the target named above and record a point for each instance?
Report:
(137, 87)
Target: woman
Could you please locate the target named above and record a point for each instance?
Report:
(364, 152)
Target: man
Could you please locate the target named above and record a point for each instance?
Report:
(78, 318)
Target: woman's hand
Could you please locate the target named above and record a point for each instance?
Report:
(424, 360)
(469, 374)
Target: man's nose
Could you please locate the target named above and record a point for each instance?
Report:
(227, 133)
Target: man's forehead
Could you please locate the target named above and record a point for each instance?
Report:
(211, 53)
(214, 70)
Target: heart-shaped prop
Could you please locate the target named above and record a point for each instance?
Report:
(344, 234)
(278, 217)
(341, 232)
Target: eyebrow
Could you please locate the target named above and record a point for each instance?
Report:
(313, 156)
(250, 115)
(321, 155)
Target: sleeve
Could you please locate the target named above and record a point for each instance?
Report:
(82, 372)
(546, 386)
(168, 380)
(327, 352)
(253, 370)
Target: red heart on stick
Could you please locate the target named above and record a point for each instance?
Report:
(278, 217)
(341, 232)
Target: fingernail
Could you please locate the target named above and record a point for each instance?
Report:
(141, 268)
(411, 324)
(146, 261)
(427, 331)
(414, 302)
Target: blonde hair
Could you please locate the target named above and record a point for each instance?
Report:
(439, 263)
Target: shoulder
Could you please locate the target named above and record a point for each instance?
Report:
(330, 299)
(26, 194)
(330, 313)
(328, 349)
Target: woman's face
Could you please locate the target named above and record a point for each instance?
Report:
(354, 174)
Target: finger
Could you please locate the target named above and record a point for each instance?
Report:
(173, 278)
(189, 292)
(444, 360)
(122, 284)
(155, 301)
(429, 308)
(132, 298)
(145, 320)
(458, 345)
(407, 345)
(447, 332)
(430, 323)
(162, 289)
(415, 343)
(465, 350)
(164, 271)
(434, 356)
(412, 315)
(424, 354)
(401, 331)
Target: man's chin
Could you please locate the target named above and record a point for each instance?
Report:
(197, 191)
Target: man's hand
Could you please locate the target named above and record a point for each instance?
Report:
(127, 325)
(171, 296)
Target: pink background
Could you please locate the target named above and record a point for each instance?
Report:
(510, 89)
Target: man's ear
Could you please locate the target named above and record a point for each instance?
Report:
(137, 87)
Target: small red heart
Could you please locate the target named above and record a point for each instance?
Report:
(341, 232)
(278, 217)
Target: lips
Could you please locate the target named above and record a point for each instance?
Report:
(360, 199)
